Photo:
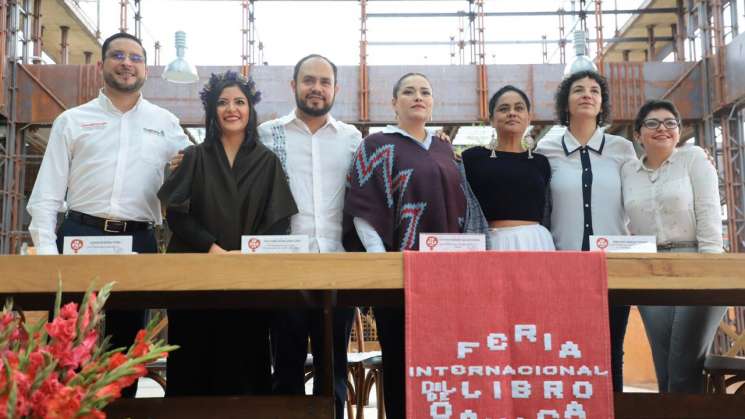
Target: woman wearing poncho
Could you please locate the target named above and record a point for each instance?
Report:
(403, 182)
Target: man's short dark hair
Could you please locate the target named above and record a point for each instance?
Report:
(561, 100)
(121, 35)
(299, 64)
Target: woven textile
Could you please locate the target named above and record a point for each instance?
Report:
(507, 335)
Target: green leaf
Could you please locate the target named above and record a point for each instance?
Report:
(80, 334)
(12, 400)
(58, 297)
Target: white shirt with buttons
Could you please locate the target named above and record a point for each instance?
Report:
(317, 165)
(607, 153)
(103, 163)
(678, 202)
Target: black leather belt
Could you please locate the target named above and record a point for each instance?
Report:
(107, 225)
(676, 245)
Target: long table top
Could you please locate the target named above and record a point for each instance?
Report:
(632, 278)
(202, 272)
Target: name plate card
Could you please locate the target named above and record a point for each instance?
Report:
(624, 244)
(449, 242)
(298, 243)
(97, 245)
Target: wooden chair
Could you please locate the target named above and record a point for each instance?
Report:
(727, 371)
(370, 373)
(356, 359)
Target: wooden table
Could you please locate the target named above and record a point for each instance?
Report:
(203, 281)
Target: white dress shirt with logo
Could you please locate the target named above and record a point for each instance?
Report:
(678, 202)
(316, 165)
(104, 163)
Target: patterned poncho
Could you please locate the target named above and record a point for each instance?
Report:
(402, 190)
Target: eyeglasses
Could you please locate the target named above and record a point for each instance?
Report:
(670, 123)
(121, 56)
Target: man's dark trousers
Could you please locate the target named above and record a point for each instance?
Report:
(290, 331)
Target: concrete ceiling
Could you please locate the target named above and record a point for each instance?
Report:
(81, 36)
(636, 27)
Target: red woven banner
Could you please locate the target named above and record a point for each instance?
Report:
(507, 335)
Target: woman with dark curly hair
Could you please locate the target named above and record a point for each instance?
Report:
(228, 186)
(586, 194)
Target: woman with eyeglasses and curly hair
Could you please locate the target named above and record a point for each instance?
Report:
(228, 186)
(673, 193)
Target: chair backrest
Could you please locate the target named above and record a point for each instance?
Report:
(356, 338)
(730, 339)
(364, 336)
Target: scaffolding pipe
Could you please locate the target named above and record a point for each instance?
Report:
(461, 41)
(599, 36)
(562, 38)
(524, 41)
(481, 63)
(680, 33)
(248, 35)
(3, 56)
(8, 200)
(36, 32)
(138, 19)
(472, 30)
(123, 16)
(98, 21)
(665, 10)
(727, 155)
(364, 80)
(64, 50)
(651, 44)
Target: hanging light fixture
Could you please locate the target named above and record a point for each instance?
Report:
(581, 61)
(179, 70)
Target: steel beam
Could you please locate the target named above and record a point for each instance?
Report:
(455, 87)
(523, 41)
(665, 10)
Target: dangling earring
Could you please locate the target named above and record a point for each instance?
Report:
(493, 144)
(528, 143)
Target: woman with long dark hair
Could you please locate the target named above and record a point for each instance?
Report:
(228, 186)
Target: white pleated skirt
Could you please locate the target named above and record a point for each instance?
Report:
(528, 237)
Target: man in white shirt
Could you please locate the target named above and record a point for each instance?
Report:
(316, 151)
(105, 159)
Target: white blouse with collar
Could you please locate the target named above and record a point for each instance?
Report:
(677, 202)
(581, 208)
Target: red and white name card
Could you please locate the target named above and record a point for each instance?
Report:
(296, 243)
(450, 242)
(97, 245)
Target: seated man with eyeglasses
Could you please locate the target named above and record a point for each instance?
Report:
(105, 160)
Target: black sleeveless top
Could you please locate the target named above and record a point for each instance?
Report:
(510, 186)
